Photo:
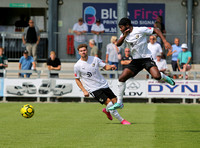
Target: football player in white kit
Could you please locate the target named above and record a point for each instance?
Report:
(89, 80)
(136, 39)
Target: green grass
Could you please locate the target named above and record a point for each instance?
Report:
(77, 125)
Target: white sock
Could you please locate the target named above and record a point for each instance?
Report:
(121, 89)
(114, 112)
(163, 76)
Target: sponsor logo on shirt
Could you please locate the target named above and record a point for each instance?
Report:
(75, 75)
(93, 64)
(100, 100)
(89, 74)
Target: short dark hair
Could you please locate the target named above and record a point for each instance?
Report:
(81, 45)
(80, 19)
(125, 21)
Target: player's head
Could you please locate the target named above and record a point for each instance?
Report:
(124, 24)
(82, 50)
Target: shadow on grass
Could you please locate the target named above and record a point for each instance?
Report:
(191, 131)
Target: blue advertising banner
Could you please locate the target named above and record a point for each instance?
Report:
(1, 86)
(140, 14)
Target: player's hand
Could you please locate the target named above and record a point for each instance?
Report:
(86, 94)
(167, 45)
(126, 32)
(113, 67)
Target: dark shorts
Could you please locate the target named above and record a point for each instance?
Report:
(137, 65)
(102, 94)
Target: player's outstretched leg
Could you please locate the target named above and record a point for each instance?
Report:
(107, 114)
(119, 104)
(116, 114)
(167, 79)
(156, 74)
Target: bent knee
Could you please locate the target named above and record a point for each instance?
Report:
(157, 77)
(122, 79)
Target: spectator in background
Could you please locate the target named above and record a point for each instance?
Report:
(3, 61)
(154, 47)
(98, 29)
(176, 49)
(80, 29)
(25, 63)
(31, 38)
(53, 63)
(161, 63)
(112, 53)
(94, 49)
(126, 59)
(184, 59)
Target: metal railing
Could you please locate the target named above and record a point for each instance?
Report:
(193, 75)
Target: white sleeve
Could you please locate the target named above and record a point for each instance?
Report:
(100, 62)
(165, 64)
(102, 27)
(160, 48)
(147, 30)
(74, 27)
(107, 49)
(93, 27)
(76, 72)
(85, 27)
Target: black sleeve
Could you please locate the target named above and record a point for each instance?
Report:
(48, 62)
(123, 58)
(59, 63)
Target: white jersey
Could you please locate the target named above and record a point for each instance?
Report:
(82, 37)
(98, 29)
(154, 48)
(88, 72)
(112, 52)
(162, 64)
(137, 42)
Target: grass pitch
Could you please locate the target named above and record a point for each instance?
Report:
(76, 125)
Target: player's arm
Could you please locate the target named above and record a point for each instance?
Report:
(109, 67)
(159, 33)
(121, 40)
(80, 85)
